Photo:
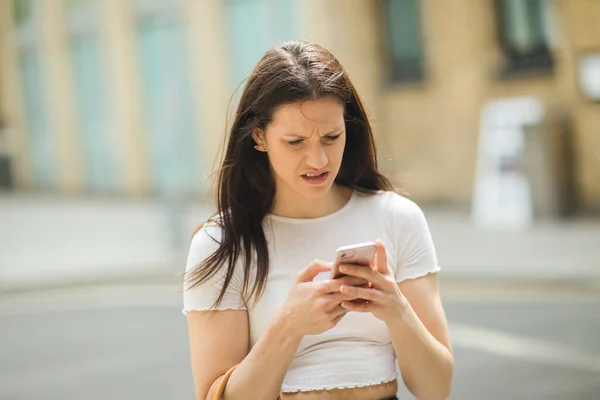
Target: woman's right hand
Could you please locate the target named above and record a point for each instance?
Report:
(314, 307)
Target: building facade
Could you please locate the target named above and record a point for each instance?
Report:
(131, 97)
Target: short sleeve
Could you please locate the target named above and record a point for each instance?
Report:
(416, 252)
(203, 296)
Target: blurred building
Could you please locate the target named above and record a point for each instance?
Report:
(130, 97)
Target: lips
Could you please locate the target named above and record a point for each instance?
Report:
(316, 178)
(315, 174)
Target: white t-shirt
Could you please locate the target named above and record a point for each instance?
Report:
(358, 350)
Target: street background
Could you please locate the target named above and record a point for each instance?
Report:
(111, 116)
(94, 308)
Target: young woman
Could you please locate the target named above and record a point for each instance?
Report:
(298, 180)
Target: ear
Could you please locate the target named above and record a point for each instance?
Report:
(259, 137)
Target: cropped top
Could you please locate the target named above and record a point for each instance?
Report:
(358, 350)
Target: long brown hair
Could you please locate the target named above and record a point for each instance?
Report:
(294, 71)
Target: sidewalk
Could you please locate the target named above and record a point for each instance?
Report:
(49, 241)
(551, 251)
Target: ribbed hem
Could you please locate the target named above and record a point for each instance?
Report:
(185, 311)
(418, 273)
(332, 387)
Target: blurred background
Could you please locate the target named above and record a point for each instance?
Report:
(112, 114)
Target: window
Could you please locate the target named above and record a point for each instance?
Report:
(22, 10)
(98, 136)
(404, 40)
(41, 146)
(170, 115)
(523, 31)
(74, 4)
(42, 151)
(255, 26)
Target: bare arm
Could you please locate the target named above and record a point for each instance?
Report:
(421, 340)
(217, 343)
(413, 314)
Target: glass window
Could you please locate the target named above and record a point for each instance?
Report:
(22, 10)
(98, 137)
(524, 34)
(76, 3)
(169, 108)
(255, 26)
(42, 152)
(404, 42)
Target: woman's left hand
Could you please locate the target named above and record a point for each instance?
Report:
(384, 298)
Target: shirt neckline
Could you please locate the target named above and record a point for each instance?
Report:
(317, 219)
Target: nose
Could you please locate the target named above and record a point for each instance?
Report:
(316, 157)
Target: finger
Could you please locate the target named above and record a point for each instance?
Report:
(368, 274)
(339, 311)
(381, 258)
(337, 298)
(314, 268)
(333, 285)
(337, 319)
(352, 281)
(357, 271)
(361, 293)
(358, 307)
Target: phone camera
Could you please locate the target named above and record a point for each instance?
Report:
(343, 255)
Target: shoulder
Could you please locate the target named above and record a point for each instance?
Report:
(208, 234)
(391, 204)
(204, 242)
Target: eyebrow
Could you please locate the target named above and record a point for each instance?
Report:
(300, 136)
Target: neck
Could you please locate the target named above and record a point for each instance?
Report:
(291, 205)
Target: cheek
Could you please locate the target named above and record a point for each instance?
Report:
(337, 153)
(284, 161)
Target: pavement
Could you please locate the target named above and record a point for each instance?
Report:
(521, 305)
(125, 341)
(48, 241)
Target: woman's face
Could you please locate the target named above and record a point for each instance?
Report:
(305, 143)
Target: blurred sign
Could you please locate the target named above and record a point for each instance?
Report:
(589, 76)
(502, 194)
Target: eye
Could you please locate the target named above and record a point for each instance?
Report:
(332, 138)
(294, 142)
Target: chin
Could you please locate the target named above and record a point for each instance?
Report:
(314, 191)
(317, 192)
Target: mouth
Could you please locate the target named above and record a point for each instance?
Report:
(316, 179)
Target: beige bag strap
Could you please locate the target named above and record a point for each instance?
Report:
(219, 389)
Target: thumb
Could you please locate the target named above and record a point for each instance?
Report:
(313, 269)
(381, 258)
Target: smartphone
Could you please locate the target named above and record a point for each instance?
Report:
(357, 254)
